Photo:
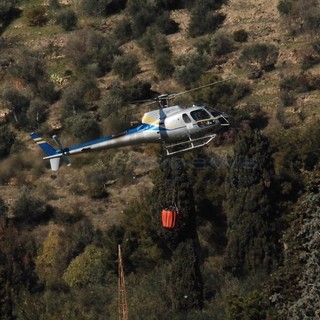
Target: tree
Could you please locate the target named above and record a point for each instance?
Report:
(17, 102)
(91, 52)
(37, 16)
(7, 138)
(37, 112)
(299, 298)
(173, 188)
(222, 43)
(28, 209)
(253, 225)
(190, 67)
(88, 269)
(67, 18)
(126, 66)
(17, 272)
(83, 126)
(261, 56)
(186, 280)
(6, 7)
(203, 19)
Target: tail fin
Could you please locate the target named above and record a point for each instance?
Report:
(53, 154)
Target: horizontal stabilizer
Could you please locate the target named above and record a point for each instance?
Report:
(54, 155)
(44, 145)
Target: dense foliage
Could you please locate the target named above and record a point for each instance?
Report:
(246, 240)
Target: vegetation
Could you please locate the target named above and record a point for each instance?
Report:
(245, 242)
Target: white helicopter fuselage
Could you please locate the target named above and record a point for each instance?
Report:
(163, 125)
(167, 125)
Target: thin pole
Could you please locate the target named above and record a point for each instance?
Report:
(123, 306)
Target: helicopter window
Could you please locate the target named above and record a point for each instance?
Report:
(186, 118)
(202, 117)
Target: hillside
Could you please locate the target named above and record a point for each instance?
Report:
(73, 68)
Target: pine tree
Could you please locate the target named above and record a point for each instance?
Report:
(172, 187)
(253, 225)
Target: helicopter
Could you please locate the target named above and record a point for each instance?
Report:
(178, 129)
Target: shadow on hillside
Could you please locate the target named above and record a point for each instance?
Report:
(7, 20)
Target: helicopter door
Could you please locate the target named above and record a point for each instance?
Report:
(187, 121)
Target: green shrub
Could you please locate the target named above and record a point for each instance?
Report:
(7, 138)
(285, 6)
(37, 16)
(165, 24)
(83, 127)
(95, 179)
(123, 31)
(18, 103)
(157, 45)
(91, 52)
(309, 60)
(149, 14)
(221, 44)
(163, 64)
(240, 35)
(37, 113)
(126, 66)
(302, 82)
(78, 95)
(6, 7)
(203, 20)
(287, 98)
(28, 209)
(190, 67)
(142, 15)
(67, 18)
(100, 8)
(312, 20)
(260, 55)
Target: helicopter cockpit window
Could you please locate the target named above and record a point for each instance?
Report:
(202, 117)
(186, 118)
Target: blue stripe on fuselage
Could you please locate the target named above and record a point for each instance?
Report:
(141, 128)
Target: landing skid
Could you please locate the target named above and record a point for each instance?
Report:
(191, 144)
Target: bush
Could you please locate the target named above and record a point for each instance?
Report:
(126, 66)
(17, 103)
(91, 52)
(203, 20)
(6, 6)
(67, 18)
(221, 44)
(190, 67)
(100, 8)
(158, 46)
(260, 55)
(37, 113)
(95, 179)
(28, 209)
(285, 7)
(7, 138)
(149, 14)
(37, 16)
(77, 95)
(165, 24)
(287, 98)
(123, 31)
(309, 60)
(240, 35)
(162, 61)
(83, 127)
(312, 20)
